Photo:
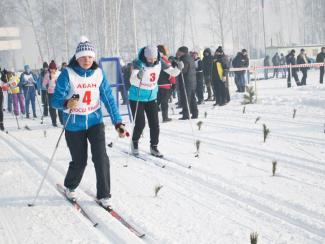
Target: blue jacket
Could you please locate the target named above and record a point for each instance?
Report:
(139, 94)
(83, 122)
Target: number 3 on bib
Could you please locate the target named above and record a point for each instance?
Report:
(152, 77)
(87, 97)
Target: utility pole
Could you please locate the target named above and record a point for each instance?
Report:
(264, 27)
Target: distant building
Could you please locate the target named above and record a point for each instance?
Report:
(311, 50)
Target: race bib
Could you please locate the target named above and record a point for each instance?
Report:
(88, 90)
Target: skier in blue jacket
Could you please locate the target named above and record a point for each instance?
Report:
(143, 94)
(83, 118)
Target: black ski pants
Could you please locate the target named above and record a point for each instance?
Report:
(321, 74)
(151, 110)
(162, 100)
(1, 106)
(295, 76)
(78, 143)
(45, 102)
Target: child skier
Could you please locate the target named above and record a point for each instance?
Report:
(83, 118)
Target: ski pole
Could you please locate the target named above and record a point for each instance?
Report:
(40, 108)
(52, 157)
(133, 123)
(189, 117)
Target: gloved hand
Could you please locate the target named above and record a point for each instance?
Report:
(224, 78)
(140, 74)
(39, 92)
(122, 132)
(72, 103)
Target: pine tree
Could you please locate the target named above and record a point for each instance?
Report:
(199, 124)
(274, 164)
(266, 132)
(254, 237)
(249, 97)
(157, 189)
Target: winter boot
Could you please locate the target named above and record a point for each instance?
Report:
(104, 202)
(166, 120)
(135, 148)
(155, 152)
(71, 194)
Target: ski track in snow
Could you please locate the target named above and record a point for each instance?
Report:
(201, 204)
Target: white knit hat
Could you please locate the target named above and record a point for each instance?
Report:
(85, 48)
(151, 52)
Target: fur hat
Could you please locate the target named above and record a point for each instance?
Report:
(85, 48)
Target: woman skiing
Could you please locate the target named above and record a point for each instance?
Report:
(143, 94)
(83, 118)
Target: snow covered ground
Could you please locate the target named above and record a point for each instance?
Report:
(228, 192)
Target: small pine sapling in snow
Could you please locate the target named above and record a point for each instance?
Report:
(257, 119)
(199, 124)
(294, 113)
(266, 132)
(274, 163)
(197, 144)
(157, 189)
(244, 109)
(250, 97)
(254, 237)
(205, 114)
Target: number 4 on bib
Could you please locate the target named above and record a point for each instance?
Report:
(87, 97)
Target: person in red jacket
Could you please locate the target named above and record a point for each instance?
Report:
(165, 83)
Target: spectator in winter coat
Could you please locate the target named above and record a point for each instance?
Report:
(276, 62)
(187, 84)
(207, 68)
(49, 82)
(83, 118)
(302, 59)
(321, 59)
(283, 62)
(291, 60)
(143, 94)
(45, 100)
(240, 61)
(18, 100)
(165, 83)
(266, 64)
(29, 84)
(1, 104)
(126, 72)
(199, 77)
(220, 71)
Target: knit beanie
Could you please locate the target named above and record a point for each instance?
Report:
(52, 65)
(151, 52)
(183, 49)
(85, 48)
(219, 49)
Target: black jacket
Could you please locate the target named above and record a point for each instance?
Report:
(223, 60)
(276, 60)
(291, 59)
(240, 61)
(188, 72)
(320, 57)
(207, 62)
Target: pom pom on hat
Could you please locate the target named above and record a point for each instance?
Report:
(85, 48)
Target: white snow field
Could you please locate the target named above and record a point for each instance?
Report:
(228, 193)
